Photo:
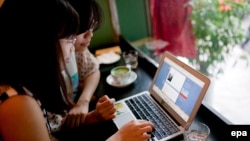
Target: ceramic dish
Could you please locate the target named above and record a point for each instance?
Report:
(108, 58)
(111, 82)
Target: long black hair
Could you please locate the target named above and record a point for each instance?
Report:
(30, 53)
(90, 12)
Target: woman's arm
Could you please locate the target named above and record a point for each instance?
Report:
(135, 130)
(21, 119)
(76, 115)
(89, 75)
(88, 86)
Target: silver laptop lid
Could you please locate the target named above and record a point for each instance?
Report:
(179, 88)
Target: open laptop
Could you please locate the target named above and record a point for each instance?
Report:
(177, 90)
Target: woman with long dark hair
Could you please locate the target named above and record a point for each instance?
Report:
(35, 83)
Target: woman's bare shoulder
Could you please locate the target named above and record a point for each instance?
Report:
(18, 101)
(24, 119)
(18, 105)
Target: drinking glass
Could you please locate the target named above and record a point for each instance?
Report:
(198, 132)
(131, 58)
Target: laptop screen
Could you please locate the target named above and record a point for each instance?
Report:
(178, 87)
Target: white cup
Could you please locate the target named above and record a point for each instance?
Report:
(120, 74)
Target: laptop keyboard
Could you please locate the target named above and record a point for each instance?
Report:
(143, 107)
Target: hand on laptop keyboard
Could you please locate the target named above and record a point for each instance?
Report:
(135, 130)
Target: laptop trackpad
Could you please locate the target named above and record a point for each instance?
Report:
(123, 114)
(122, 119)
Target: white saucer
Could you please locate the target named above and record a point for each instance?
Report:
(108, 58)
(111, 82)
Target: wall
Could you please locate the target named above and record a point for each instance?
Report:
(105, 34)
(133, 22)
(133, 19)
